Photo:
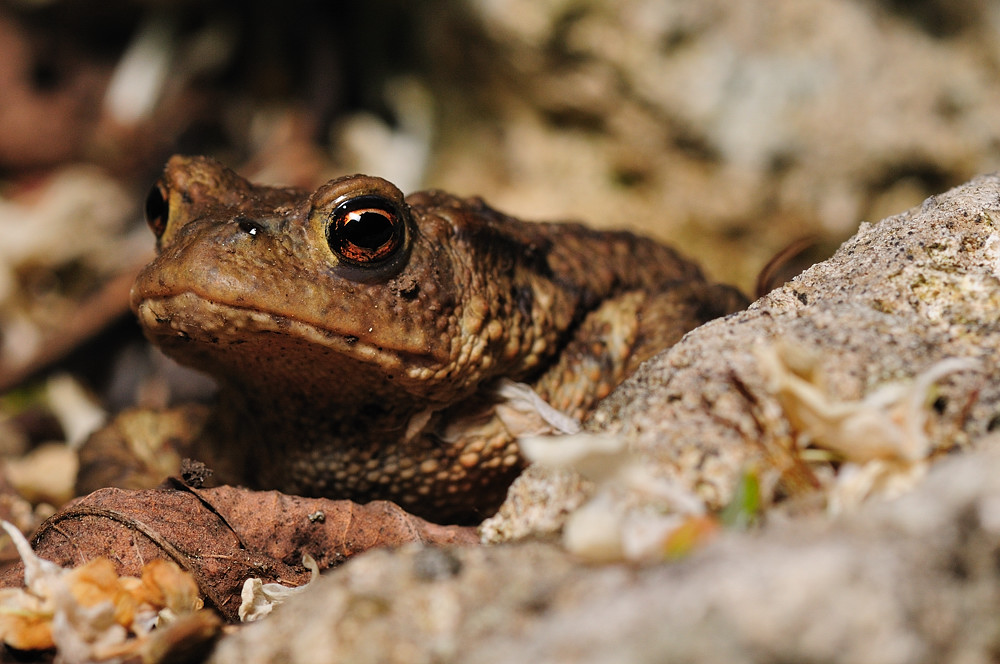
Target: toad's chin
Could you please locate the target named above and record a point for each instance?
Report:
(247, 343)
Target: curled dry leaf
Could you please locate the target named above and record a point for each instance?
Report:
(225, 535)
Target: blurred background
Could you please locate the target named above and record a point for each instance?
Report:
(729, 129)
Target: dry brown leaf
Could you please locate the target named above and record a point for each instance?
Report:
(224, 536)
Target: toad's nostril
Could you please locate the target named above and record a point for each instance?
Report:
(249, 226)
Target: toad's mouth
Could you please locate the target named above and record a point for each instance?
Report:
(214, 336)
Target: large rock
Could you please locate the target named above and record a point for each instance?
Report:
(912, 580)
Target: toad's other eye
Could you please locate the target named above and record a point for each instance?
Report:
(366, 230)
(157, 210)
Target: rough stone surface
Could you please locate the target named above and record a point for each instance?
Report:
(897, 298)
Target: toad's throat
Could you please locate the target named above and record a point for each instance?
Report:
(188, 318)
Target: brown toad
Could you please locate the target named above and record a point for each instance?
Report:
(358, 336)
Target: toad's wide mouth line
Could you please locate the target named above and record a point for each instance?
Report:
(194, 317)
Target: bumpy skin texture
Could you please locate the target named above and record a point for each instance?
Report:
(351, 378)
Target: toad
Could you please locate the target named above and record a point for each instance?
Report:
(361, 339)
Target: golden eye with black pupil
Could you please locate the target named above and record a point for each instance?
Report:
(157, 210)
(366, 230)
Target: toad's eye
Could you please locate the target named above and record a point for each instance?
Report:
(157, 210)
(366, 230)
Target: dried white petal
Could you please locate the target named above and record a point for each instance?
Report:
(39, 574)
(856, 483)
(594, 531)
(522, 404)
(596, 456)
(887, 424)
(139, 78)
(260, 598)
(632, 513)
(77, 411)
(644, 534)
(81, 634)
(84, 634)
